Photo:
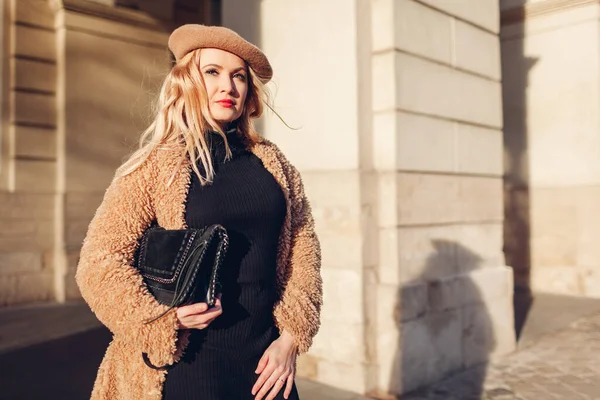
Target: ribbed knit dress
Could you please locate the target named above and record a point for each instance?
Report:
(220, 360)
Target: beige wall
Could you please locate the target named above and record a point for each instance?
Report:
(444, 294)
(551, 64)
(316, 86)
(79, 82)
(29, 157)
(400, 148)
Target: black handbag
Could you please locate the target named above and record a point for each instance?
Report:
(181, 267)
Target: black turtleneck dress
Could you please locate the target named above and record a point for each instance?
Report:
(220, 360)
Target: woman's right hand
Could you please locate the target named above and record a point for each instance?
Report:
(198, 316)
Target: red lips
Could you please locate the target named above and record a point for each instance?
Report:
(226, 103)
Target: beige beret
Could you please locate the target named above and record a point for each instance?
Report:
(190, 37)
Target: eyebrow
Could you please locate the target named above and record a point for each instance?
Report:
(220, 67)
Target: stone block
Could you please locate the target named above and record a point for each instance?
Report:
(485, 286)
(26, 236)
(282, 34)
(479, 339)
(335, 200)
(148, 32)
(590, 277)
(552, 108)
(394, 305)
(342, 295)
(73, 259)
(35, 176)
(26, 206)
(414, 301)
(479, 150)
(82, 205)
(412, 27)
(477, 50)
(18, 263)
(351, 377)
(383, 22)
(340, 341)
(34, 42)
(429, 349)
(111, 108)
(445, 294)
(484, 13)
(556, 279)
(488, 331)
(479, 245)
(554, 226)
(387, 308)
(26, 288)
(413, 142)
(35, 142)
(307, 366)
(427, 253)
(383, 76)
(480, 199)
(71, 289)
(554, 21)
(428, 198)
(34, 12)
(34, 75)
(341, 251)
(75, 232)
(33, 108)
(443, 91)
(387, 195)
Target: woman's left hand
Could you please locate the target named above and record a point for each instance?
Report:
(277, 368)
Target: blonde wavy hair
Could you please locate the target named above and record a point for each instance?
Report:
(183, 118)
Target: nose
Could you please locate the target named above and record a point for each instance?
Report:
(226, 84)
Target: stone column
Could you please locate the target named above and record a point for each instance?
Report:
(443, 295)
(551, 64)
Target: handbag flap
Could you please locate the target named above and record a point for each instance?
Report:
(163, 251)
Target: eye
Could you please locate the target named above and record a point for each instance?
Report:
(241, 77)
(212, 72)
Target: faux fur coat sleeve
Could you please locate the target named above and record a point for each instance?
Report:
(110, 285)
(299, 309)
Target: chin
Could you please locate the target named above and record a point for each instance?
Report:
(225, 117)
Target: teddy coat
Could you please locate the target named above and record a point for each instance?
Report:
(118, 296)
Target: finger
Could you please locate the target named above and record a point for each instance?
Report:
(288, 387)
(202, 318)
(276, 387)
(264, 375)
(262, 364)
(191, 309)
(267, 385)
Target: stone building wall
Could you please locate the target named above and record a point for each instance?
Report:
(551, 64)
(400, 148)
(28, 153)
(78, 83)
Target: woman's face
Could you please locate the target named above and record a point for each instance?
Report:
(226, 80)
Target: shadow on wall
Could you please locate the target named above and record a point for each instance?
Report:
(444, 326)
(517, 230)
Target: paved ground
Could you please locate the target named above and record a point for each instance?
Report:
(561, 365)
(49, 352)
(53, 352)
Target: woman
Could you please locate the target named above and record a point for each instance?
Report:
(246, 346)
